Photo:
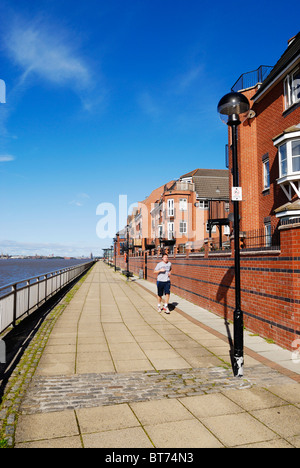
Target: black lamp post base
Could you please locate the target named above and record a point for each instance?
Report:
(238, 368)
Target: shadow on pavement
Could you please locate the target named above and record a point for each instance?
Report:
(18, 338)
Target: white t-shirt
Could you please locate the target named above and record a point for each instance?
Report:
(163, 276)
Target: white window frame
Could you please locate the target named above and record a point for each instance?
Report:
(183, 204)
(203, 204)
(291, 86)
(183, 227)
(288, 144)
(281, 159)
(170, 231)
(170, 207)
(266, 174)
(296, 156)
(268, 235)
(160, 230)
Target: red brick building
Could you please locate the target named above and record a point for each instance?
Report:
(269, 143)
(269, 171)
(180, 214)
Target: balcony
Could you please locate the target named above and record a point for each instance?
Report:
(185, 186)
(252, 78)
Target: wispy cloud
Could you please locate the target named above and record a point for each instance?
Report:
(40, 50)
(179, 101)
(50, 53)
(6, 157)
(183, 82)
(80, 199)
(148, 105)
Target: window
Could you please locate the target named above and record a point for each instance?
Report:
(160, 230)
(203, 204)
(268, 235)
(170, 231)
(292, 88)
(266, 174)
(183, 204)
(296, 155)
(183, 227)
(170, 207)
(282, 160)
(289, 157)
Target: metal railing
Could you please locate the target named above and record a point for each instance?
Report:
(19, 298)
(260, 239)
(252, 78)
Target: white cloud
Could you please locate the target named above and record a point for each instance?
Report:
(80, 199)
(38, 49)
(6, 157)
(45, 51)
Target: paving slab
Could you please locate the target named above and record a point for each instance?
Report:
(116, 373)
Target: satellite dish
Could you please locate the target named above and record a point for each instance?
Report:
(251, 114)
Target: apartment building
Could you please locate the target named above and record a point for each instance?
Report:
(180, 214)
(269, 143)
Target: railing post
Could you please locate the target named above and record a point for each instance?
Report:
(14, 288)
(28, 298)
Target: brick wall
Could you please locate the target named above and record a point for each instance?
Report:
(270, 286)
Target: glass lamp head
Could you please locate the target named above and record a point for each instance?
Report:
(233, 108)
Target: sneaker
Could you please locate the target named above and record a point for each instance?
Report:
(159, 308)
(166, 309)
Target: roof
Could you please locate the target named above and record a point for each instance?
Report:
(210, 183)
(290, 206)
(287, 57)
(292, 129)
(157, 193)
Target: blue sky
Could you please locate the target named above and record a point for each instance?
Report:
(115, 97)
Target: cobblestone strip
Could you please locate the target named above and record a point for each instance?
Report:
(59, 393)
(23, 373)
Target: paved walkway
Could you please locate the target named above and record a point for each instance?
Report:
(116, 373)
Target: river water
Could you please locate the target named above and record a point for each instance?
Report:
(14, 270)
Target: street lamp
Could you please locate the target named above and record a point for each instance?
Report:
(115, 251)
(233, 109)
(127, 256)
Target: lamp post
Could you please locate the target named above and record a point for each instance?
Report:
(233, 109)
(115, 251)
(127, 257)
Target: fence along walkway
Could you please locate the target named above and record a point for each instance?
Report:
(19, 298)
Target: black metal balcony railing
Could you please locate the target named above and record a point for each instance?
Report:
(250, 79)
(258, 239)
(261, 239)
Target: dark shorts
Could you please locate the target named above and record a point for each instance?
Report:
(163, 287)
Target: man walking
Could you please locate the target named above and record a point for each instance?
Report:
(163, 271)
